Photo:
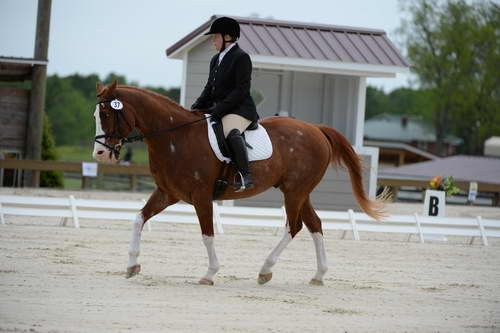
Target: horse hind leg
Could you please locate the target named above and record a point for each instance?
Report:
(204, 211)
(157, 202)
(293, 226)
(313, 223)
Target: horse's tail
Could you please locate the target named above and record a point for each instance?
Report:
(343, 154)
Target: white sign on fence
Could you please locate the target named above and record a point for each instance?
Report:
(434, 205)
(472, 191)
(89, 169)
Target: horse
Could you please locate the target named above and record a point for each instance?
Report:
(185, 168)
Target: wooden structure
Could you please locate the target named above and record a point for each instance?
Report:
(485, 171)
(22, 109)
(393, 154)
(133, 171)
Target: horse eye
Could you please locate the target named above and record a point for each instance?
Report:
(104, 115)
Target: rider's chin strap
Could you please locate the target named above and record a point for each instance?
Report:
(233, 40)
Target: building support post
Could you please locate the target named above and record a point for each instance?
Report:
(37, 97)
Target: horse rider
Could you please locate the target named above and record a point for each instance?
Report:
(226, 95)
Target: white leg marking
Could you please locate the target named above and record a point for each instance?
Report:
(213, 263)
(275, 253)
(319, 245)
(135, 242)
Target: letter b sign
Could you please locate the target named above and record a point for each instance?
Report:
(434, 203)
(433, 206)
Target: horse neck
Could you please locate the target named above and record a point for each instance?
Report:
(155, 113)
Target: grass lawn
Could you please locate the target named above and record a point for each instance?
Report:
(84, 154)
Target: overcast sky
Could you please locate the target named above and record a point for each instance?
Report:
(129, 37)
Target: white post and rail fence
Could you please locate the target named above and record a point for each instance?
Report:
(73, 209)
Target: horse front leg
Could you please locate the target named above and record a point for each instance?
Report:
(204, 210)
(158, 201)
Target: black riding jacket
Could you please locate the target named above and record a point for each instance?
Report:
(228, 86)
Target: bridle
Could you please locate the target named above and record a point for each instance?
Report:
(122, 139)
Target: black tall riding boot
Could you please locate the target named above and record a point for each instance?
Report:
(240, 158)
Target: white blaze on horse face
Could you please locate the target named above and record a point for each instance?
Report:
(101, 153)
(99, 150)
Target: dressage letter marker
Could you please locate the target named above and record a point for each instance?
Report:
(434, 205)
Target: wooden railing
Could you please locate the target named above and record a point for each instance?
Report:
(133, 171)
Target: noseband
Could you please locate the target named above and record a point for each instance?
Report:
(122, 139)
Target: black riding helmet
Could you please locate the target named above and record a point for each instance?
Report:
(225, 26)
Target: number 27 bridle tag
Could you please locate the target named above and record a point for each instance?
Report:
(116, 104)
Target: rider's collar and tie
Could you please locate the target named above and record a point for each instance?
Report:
(226, 50)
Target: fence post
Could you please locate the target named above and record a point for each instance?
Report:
(353, 223)
(481, 230)
(133, 183)
(217, 218)
(85, 182)
(76, 222)
(2, 218)
(419, 228)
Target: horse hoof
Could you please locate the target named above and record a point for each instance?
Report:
(264, 278)
(134, 270)
(206, 282)
(315, 282)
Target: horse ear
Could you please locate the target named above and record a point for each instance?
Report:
(99, 87)
(111, 88)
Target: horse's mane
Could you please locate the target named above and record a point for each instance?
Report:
(163, 98)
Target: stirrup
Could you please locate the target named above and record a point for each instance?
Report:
(243, 185)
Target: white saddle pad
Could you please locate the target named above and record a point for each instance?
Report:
(262, 147)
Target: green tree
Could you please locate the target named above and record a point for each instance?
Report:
(377, 102)
(455, 51)
(69, 111)
(49, 178)
(172, 93)
(401, 101)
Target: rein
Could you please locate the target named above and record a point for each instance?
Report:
(123, 140)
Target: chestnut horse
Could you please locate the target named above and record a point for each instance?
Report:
(185, 168)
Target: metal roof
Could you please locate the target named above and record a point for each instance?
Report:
(461, 167)
(402, 129)
(269, 37)
(401, 146)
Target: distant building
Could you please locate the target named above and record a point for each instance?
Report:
(492, 146)
(392, 128)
